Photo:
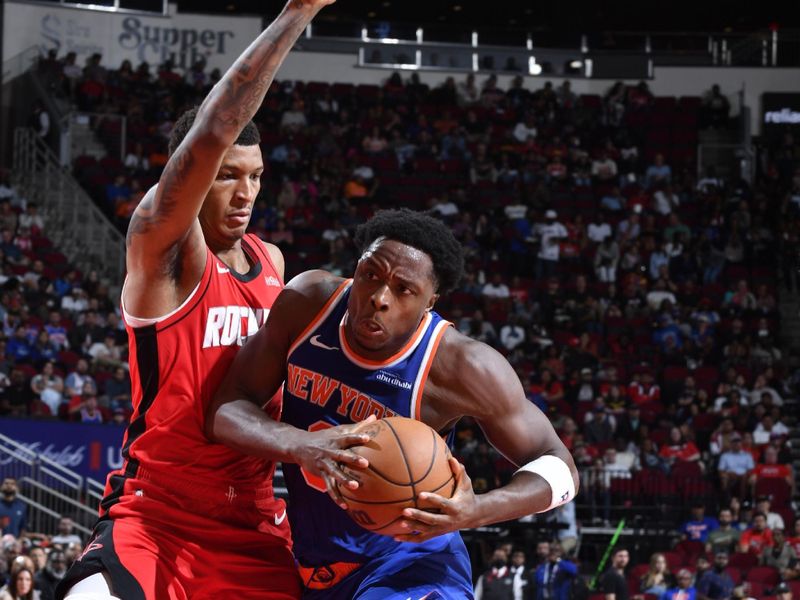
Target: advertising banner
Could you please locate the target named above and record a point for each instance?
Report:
(181, 37)
(780, 112)
(89, 450)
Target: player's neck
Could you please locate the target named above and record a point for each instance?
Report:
(233, 256)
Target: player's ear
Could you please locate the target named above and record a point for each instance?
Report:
(432, 301)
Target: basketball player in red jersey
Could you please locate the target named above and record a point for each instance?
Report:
(186, 517)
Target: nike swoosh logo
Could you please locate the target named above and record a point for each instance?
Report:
(222, 270)
(315, 342)
(280, 518)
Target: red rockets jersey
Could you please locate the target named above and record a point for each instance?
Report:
(176, 364)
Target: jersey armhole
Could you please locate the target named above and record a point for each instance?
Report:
(138, 322)
(422, 377)
(327, 308)
(257, 242)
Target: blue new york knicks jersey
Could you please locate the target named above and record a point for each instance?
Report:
(328, 384)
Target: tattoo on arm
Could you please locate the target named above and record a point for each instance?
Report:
(236, 100)
(157, 209)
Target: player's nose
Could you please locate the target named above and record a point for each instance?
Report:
(246, 190)
(380, 298)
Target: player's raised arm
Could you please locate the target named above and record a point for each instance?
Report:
(164, 235)
(470, 378)
(235, 416)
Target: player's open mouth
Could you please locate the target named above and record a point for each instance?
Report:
(369, 327)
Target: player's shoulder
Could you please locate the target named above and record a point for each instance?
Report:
(306, 295)
(316, 283)
(458, 351)
(303, 299)
(275, 255)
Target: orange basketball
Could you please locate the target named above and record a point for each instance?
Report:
(406, 457)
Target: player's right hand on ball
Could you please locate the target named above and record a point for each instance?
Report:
(326, 453)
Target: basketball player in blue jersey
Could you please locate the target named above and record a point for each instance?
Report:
(350, 349)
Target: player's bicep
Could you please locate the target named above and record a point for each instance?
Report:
(513, 424)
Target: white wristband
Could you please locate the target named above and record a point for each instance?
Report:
(557, 474)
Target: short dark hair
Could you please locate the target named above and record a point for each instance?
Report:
(423, 232)
(248, 137)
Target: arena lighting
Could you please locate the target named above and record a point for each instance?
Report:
(576, 64)
(533, 68)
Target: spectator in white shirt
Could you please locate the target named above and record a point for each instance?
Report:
(525, 129)
(550, 233)
(512, 334)
(599, 229)
(496, 289)
(665, 200)
(604, 168)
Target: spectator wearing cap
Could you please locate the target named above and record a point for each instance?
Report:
(585, 389)
(630, 423)
(783, 591)
(725, 538)
(549, 234)
(643, 389)
(715, 583)
(758, 537)
(734, 465)
(699, 526)
(684, 590)
(600, 423)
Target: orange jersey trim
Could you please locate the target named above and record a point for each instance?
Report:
(402, 353)
(430, 355)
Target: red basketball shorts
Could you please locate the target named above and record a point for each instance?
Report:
(154, 548)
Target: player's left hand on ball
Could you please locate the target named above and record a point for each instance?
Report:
(454, 513)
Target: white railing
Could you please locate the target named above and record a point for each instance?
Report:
(75, 225)
(79, 130)
(50, 490)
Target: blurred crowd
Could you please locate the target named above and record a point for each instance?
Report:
(637, 299)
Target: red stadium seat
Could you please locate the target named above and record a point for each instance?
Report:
(769, 576)
(778, 489)
(744, 561)
(675, 560)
